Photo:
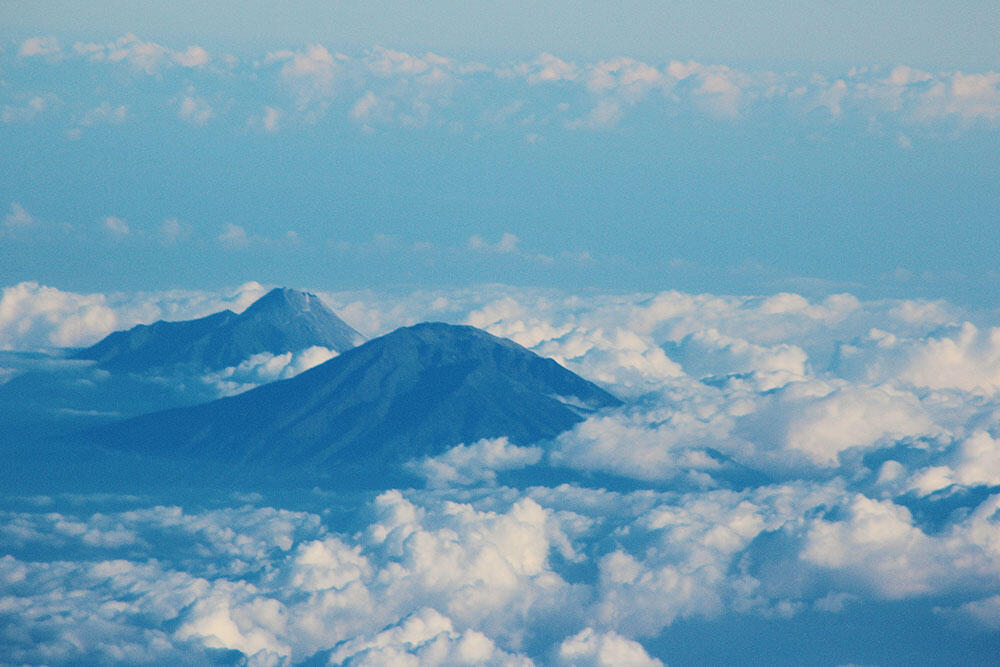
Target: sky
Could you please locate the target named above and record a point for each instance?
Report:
(732, 147)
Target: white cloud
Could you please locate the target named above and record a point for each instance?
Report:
(104, 113)
(747, 492)
(195, 110)
(607, 649)
(194, 56)
(476, 463)
(266, 367)
(309, 74)
(115, 225)
(271, 118)
(35, 316)
(233, 237)
(142, 55)
(547, 68)
(40, 46)
(506, 244)
(26, 111)
(173, 230)
(18, 217)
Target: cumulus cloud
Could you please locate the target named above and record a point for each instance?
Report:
(266, 367)
(547, 68)
(604, 650)
(39, 316)
(777, 456)
(385, 86)
(309, 74)
(32, 315)
(141, 55)
(476, 463)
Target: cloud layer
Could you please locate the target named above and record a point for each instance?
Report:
(779, 460)
(382, 87)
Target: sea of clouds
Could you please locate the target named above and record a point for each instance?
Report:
(777, 458)
(382, 87)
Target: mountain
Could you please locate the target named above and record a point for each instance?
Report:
(411, 393)
(282, 320)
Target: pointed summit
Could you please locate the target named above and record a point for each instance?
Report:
(283, 320)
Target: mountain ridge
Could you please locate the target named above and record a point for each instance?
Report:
(282, 320)
(414, 392)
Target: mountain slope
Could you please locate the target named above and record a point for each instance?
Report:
(282, 320)
(414, 392)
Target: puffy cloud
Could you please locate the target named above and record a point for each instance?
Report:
(424, 638)
(266, 367)
(148, 57)
(964, 358)
(32, 316)
(309, 74)
(194, 56)
(757, 474)
(604, 650)
(26, 111)
(37, 316)
(40, 46)
(877, 547)
(195, 110)
(476, 463)
(547, 68)
(233, 237)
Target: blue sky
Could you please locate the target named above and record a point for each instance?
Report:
(741, 147)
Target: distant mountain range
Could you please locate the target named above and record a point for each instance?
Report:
(282, 320)
(414, 392)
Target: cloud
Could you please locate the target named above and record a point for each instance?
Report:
(173, 230)
(233, 237)
(266, 367)
(195, 110)
(270, 119)
(309, 75)
(35, 316)
(547, 68)
(778, 456)
(18, 217)
(40, 46)
(32, 106)
(424, 637)
(506, 244)
(385, 86)
(104, 114)
(141, 55)
(476, 463)
(604, 650)
(194, 56)
(115, 225)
